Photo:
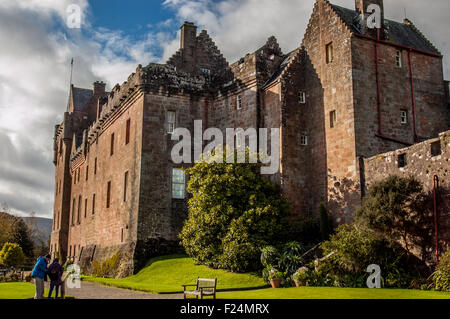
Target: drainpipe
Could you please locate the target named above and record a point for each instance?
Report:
(380, 130)
(413, 100)
(435, 197)
(377, 40)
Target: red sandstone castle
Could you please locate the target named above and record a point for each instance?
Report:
(344, 98)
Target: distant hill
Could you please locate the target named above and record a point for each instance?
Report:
(42, 228)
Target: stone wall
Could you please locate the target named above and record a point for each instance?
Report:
(421, 164)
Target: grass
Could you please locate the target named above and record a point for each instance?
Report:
(166, 274)
(19, 290)
(333, 293)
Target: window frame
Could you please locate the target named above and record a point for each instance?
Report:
(302, 97)
(169, 123)
(399, 59)
(333, 119)
(239, 102)
(304, 140)
(174, 183)
(403, 116)
(329, 53)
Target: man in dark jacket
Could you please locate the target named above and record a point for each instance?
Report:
(38, 274)
(54, 272)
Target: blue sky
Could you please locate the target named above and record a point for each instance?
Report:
(115, 37)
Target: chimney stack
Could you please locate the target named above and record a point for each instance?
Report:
(361, 7)
(188, 35)
(99, 88)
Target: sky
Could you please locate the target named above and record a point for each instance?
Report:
(115, 36)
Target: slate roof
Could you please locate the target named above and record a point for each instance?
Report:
(81, 97)
(396, 32)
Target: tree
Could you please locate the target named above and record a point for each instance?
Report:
(12, 255)
(233, 213)
(21, 235)
(398, 208)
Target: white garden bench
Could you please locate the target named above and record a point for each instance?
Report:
(203, 287)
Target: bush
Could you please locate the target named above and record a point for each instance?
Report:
(233, 213)
(441, 277)
(351, 250)
(398, 209)
(12, 255)
(106, 269)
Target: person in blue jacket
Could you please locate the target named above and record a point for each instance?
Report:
(39, 273)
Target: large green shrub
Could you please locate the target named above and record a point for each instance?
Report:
(12, 255)
(441, 277)
(351, 250)
(398, 208)
(233, 213)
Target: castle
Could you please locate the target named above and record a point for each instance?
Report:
(353, 104)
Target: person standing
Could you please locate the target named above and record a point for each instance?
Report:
(39, 274)
(55, 272)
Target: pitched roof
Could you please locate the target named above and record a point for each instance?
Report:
(287, 58)
(396, 32)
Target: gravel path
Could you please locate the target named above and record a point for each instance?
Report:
(90, 290)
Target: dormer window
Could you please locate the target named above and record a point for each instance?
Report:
(271, 57)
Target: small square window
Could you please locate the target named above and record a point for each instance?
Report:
(239, 102)
(302, 97)
(112, 144)
(401, 160)
(404, 117)
(333, 119)
(171, 119)
(304, 140)
(436, 149)
(329, 52)
(398, 59)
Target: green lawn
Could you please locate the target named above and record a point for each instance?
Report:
(333, 293)
(166, 275)
(18, 290)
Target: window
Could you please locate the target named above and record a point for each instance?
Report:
(79, 210)
(171, 118)
(125, 185)
(206, 71)
(112, 144)
(108, 195)
(404, 117)
(78, 175)
(436, 149)
(85, 207)
(329, 52)
(73, 212)
(87, 172)
(271, 57)
(401, 160)
(398, 59)
(302, 97)
(239, 102)
(333, 119)
(74, 177)
(95, 166)
(93, 204)
(121, 235)
(304, 140)
(178, 184)
(127, 133)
